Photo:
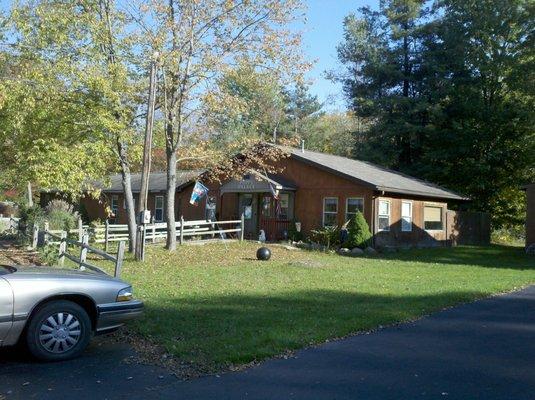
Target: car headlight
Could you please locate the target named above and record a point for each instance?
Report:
(125, 294)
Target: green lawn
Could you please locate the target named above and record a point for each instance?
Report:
(215, 306)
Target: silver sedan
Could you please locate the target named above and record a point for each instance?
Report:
(56, 311)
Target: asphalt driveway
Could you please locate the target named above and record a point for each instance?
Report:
(483, 350)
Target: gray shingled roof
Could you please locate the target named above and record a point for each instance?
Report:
(157, 181)
(374, 176)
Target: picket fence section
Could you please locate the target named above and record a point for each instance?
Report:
(157, 231)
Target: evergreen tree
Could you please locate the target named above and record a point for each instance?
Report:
(448, 91)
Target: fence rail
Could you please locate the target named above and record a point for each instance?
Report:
(85, 248)
(10, 224)
(119, 233)
(108, 233)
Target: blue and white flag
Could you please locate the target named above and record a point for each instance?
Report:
(199, 191)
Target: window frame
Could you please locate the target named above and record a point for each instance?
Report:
(411, 216)
(347, 206)
(287, 196)
(329, 212)
(114, 210)
(442, 217)
(389, 215)
(157, 208)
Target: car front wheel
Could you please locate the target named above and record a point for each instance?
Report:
(58, 331)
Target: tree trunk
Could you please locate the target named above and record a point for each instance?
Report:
(143, 194)
(170, 206)
(128, 196)
(30, 194)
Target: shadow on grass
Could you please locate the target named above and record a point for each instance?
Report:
(234, 329)
(493, 256)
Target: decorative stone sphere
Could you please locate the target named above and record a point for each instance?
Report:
(263, 253)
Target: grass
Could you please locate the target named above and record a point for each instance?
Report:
(216, 307)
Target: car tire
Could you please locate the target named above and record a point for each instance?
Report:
(59, 330)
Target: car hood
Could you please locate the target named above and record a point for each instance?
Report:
(54, 272)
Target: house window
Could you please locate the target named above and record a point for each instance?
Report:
(384, 215)
(284, 204)
(330, 211)
(433, 218)
(115, 205)
(158, 208)
(406, 216)
(354, 204)
(266, 206)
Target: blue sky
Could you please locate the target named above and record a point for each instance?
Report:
(322, 33)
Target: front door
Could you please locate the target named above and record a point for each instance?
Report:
(248, 206)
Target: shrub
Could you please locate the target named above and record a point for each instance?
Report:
(61, 220)
(328, 236)
(294, 234)
(29, 216)
(359, 234)
(59, 205)
(512, 235)
(61, 215)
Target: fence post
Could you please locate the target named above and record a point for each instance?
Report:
(83, 251)
(119, 259)
(153, 230)
(12, 224)
(62, 248)
(45, 234)
(80, 229)
(242, 227)
(181, 229)
(35, 236)
(106, 235)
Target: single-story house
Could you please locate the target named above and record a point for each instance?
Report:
(530, 215)
(315, 190)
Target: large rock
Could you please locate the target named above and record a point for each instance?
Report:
(344, 251)
(357, 251)
(370, 250)
(305, 246)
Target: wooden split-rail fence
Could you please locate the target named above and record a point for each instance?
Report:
(108, 233)
(8, 223)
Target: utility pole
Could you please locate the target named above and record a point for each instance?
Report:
(145, 173)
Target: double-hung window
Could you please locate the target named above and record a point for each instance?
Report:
(158, 208)
(406, 216)
(114, 205)
(433, 218)
(330, 211)
(354, 204)
(383, 219)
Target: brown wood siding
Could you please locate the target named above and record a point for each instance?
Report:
(418, 235)
(314, 185)
(530, 215)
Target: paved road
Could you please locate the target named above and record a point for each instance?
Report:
(484, 350)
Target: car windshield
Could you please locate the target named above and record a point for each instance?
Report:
(6, 269)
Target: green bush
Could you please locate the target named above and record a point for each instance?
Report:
(359, 234)
(512, 235)
(61, 215)
(61, 220)
(29, 216)
(328, 236)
